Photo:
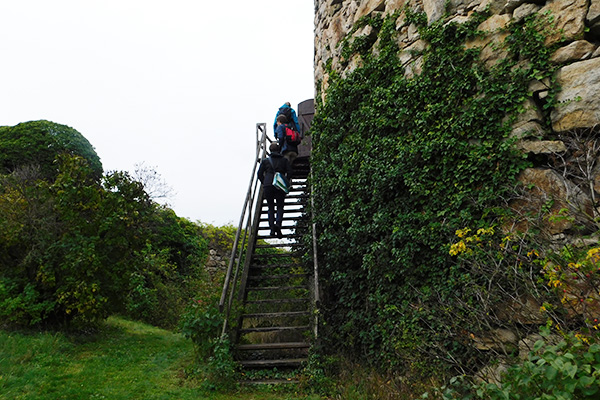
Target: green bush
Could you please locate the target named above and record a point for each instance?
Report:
(39, 143)
(170, 271)
(220, 238)
(78, 248)
(18, 305)
(70, 242)
(567, 370)
(202, 323)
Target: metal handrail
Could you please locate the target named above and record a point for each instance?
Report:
(253, 195)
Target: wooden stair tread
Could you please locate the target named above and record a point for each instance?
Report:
(291, 198)
(277, 314)
(271, 266)
(287, 205)
(273, 346)
(269, 288)
(285, 236)
(291, 362)
(284, 276)
(278, 255)
(276, 245)
(277, 301)
(275, 328)
(291, 210)
(263, 219)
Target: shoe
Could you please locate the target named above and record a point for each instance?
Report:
(273, 232)
(279, 234)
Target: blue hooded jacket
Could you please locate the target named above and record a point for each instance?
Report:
(294, 117)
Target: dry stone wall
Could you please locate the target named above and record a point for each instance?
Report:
(575, 32)
(215, 263)
(568, 133)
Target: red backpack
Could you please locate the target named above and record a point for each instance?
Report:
(292, 136)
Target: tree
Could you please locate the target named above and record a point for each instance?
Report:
(153, 183)
(37, 143)
(68, 247)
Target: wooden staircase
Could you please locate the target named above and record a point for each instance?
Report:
(270, 289)
(275, 326)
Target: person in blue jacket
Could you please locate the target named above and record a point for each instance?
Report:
(290, 115)
(288, 150)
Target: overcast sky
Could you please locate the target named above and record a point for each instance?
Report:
(177, 85)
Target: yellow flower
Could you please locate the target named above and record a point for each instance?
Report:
(555, 283)
(462, 232)
(457, 248)
(594, 254)
(483, 231)
(582, 338)
(533, 253)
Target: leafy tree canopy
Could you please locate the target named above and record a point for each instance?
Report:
(39, 143)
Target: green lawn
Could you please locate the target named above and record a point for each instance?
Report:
(127, 360)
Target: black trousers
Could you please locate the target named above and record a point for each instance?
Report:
(275, 199)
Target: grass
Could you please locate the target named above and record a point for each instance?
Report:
(124, 360)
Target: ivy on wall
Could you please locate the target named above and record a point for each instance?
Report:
(399, 165)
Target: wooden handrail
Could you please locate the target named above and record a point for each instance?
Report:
(315, 288)
(252, 196)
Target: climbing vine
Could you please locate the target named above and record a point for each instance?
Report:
(400, 163)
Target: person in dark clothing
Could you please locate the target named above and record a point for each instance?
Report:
(275, 197)
(288, 150)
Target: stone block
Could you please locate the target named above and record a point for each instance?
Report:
(367, 7)
(525, 10)
(576, 51)
(541, 146)
(434, 9)
(542, 185)
(567, 20)
(491, 45)
(578, 105)
(593, 16)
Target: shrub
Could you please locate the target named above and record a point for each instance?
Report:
(39, 143)
(78, 248)
(567, 370)
(202, 324)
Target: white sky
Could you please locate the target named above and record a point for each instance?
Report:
(178, 85)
